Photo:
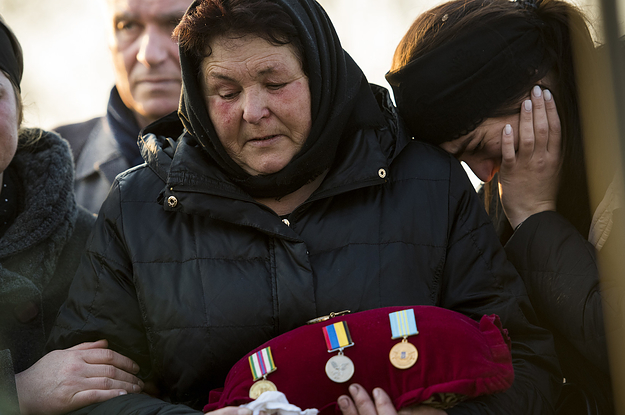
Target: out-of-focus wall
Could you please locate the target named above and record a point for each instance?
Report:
(67, 73)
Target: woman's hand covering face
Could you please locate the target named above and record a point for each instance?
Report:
(529, 176)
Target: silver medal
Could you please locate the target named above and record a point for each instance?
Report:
(340, 368)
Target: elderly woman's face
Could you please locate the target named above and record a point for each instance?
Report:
(8, 122)
(258, 100)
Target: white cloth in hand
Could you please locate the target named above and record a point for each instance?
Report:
(276, 403)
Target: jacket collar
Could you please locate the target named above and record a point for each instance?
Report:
(101, 154)
(112, 143)
(124, 128)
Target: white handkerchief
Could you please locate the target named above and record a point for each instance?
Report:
(276, 403)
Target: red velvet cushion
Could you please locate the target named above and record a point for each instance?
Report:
(456, 355)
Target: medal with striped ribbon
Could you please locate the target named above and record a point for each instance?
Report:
(262, 364)
(403, 324)
(339, 368)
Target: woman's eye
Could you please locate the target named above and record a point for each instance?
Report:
(228, 95)
(275, 86)
(478, 147)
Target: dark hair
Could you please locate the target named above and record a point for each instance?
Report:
(560, 21)
(236, 18)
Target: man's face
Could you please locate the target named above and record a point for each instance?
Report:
(147, 69)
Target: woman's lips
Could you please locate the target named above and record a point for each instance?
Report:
(263, 138)
(264, 141)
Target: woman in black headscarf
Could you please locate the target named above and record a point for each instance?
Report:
(42, 235)
(495, 83)
(285, 190)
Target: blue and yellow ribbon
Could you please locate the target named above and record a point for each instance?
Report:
(337, 336)
(403, 323)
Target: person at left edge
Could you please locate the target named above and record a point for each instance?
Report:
(42, 236)
(289, 190)
(147, 87)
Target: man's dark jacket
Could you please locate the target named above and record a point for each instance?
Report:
(185, 273)
(102, 148)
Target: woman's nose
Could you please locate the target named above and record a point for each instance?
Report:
(255, 106)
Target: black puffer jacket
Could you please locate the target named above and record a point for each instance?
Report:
(185, 273)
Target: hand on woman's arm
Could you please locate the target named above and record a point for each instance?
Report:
(65, 380)
(361, 404)
(529, 176)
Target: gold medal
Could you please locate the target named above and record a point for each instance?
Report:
(403, 324)
(262, 386)
(340, 368)
(403, 355)
(262, 364)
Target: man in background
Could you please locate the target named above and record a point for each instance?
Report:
(147, 87)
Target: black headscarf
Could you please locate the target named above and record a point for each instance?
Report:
(11, 60)
(337, 86)
(450, 90)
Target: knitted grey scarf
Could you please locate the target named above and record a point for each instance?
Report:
(30, 248)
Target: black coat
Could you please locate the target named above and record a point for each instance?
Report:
(185, 273)
(102, 148)
(560, 269)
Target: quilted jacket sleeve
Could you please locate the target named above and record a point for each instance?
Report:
(478, 280)
(103, 282)
(556, 262)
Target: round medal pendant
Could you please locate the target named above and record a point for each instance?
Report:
(340, 368)
(403, 355)
(260, 387)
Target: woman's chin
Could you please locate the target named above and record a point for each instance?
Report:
(487, 176)
(265, 169)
